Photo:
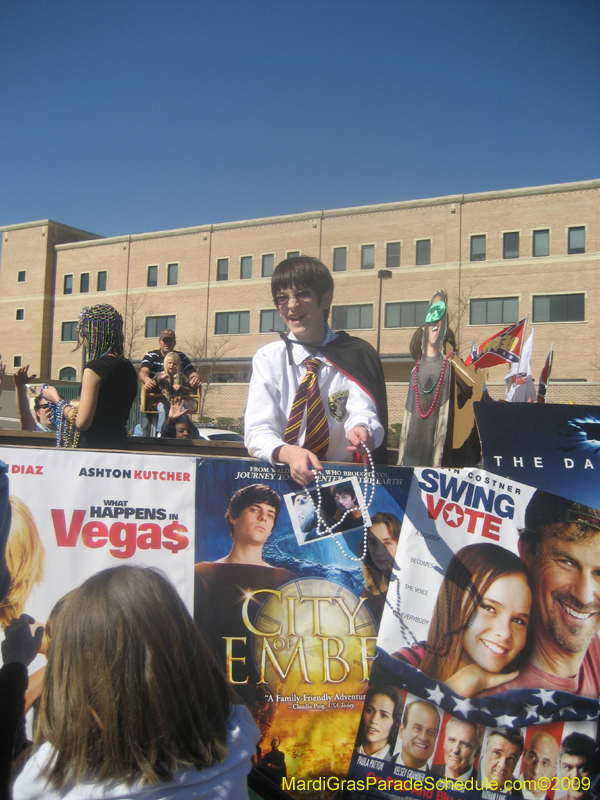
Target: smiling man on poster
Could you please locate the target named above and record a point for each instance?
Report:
(560, 545)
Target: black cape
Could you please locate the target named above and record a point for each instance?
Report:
(359, 361)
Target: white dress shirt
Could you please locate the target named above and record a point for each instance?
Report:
(273, 387)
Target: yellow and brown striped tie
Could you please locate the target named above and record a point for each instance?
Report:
(308, 397)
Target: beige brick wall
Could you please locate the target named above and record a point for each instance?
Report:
(449, 222)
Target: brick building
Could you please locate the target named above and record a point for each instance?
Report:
(499, 255)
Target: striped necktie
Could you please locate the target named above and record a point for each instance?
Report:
(308, 396)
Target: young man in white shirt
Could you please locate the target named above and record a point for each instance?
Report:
(350, 377)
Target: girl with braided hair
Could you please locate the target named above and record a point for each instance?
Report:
(108, 386)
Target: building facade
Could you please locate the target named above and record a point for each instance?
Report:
(500, 256)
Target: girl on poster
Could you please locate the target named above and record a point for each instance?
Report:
(479, 635)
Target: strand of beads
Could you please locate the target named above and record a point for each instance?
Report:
(323, 529)
(440, 384)
(67, 435)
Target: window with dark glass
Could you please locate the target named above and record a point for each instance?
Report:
(268, 265)
(152, 276)
(222, 269)
(271, 321)
(67, 374)
(68, 284)
(339, 259)
(423, 252)
(84, 282)
(246, 267)
(406, 315)
(155, 325)
(510, 245)
(494, 310)
(21, 276)
(293, 254)
(17, 361)
(392, 255)
(172, 274)
(20, 314)
(232, 322)
(68, 332)
(367, 256)
(541, 243)
(101, 284)
(478, 245)
(559, 308)
(576, 240)
(352, 317)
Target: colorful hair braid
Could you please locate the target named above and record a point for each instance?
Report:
(103, 326)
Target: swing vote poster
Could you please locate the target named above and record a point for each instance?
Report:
(488, 656)
(292, 613)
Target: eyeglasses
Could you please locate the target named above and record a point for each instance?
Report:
(299, 297)
(45, 405)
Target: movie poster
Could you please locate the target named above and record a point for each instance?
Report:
(487, 674)
(75, 513)
(289, 607)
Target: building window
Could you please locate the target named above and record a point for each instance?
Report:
(155, 325)
(68, 332)
(232, 322)
(101, 284)
(68, 284)
(268, 265)
(392, 255)
(406, 315)
(245, 267)
(152, 276)
(17, 361)
(172, 274)
(511, 245)
(367, 256)
(494, 311)
(478, 244)
(21, 276)
(84, 282)
(293, 254)
(67, 374)
(541, 243)
(423, 256)
(20, 314)
(576, 240)
(270, 321)
(339, 259)
(222, 269)
(559, 308)
(352, 317)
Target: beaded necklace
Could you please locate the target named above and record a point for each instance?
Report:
(324, 529)
(439, 383)
(67, 434)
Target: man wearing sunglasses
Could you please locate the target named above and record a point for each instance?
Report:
(315, 395)
(42, 421)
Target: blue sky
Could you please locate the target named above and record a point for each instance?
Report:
(125, 116)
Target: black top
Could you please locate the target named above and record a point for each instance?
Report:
(155, 362)
(118, 390)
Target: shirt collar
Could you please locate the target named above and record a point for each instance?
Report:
(300, 353)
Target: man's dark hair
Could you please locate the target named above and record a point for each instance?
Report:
(249, 496)
(38, 402)
(512, 735)
(302, 272)
(550, 515)
(578, 744)
(343, 488)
